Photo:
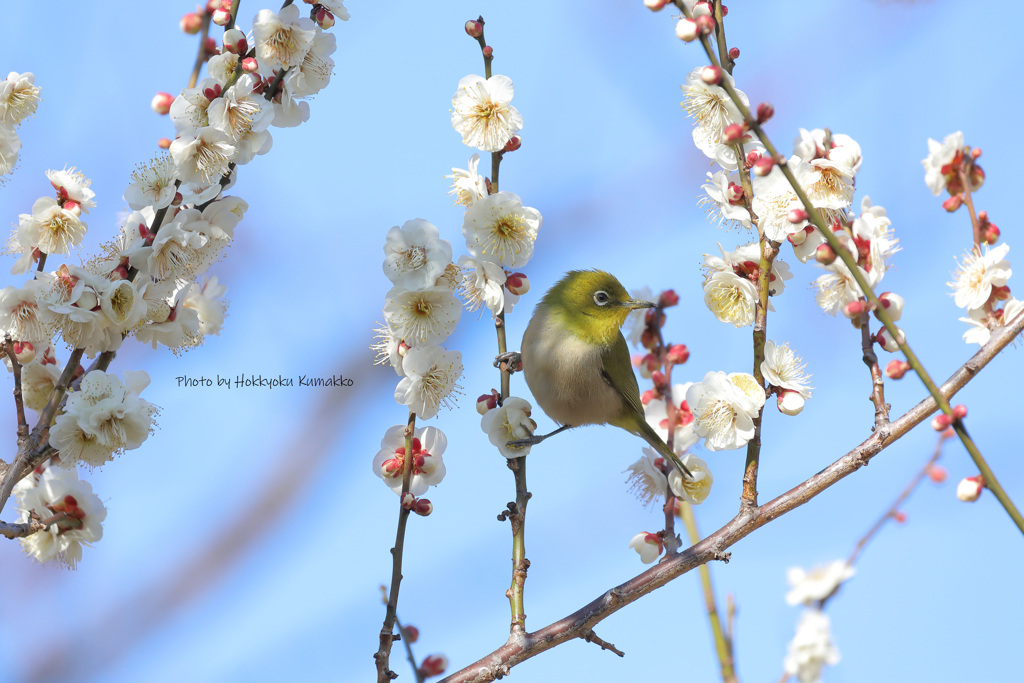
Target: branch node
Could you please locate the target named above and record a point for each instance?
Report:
(592, 637)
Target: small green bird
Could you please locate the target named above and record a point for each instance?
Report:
(576, 361)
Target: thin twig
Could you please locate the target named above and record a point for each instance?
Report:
(592, 637)
(877, 383)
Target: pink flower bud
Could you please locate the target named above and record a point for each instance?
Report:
(887, 342)
(976, 153)
(796, 216)
(959, 412)
(790, 402)
(486, 402)
(648, 364)
(765, 111)
(474, 29)
(678, 354)
(977, 176)
(734, 193)
(953, 203)
(658, 378)
(514, 143)
(433, 665)
(655, 5)
(734, 132)
(647, 396)
(191, 23)
(705, 24)
(990, 235)
(210, 47)
(249, 65)
(900, 516)
(648, 339)
(854, 309)
(164, 143)
(825, 255)
(893, 305)
(1001, 293)
(488, 52)
(24, 352)
(423, 507)
(938, 474)
(941, 421)
(668, 298)
(412, 634)
(686, 30)
(970, 488)
(712, 75)
(213, 5)
(734, 52)
(517, 283)
(797, 238)
(221, 17)
(323, 18)
(234, 41)
(408, 501)
(896, 369)
(403, 348)
(161, 103)
(702, 9)
(763, 166)
(72, 206)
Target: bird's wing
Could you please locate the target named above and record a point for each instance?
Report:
(618, 372)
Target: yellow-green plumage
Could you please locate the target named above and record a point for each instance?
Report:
(576, 361)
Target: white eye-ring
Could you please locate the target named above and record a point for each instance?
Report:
(601, 298)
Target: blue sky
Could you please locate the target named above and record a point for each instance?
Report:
(247, 538)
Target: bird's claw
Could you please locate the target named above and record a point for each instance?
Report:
(509, 362)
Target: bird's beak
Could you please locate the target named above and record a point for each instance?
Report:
(637, 303)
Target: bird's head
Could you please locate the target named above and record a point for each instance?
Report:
(593, 303)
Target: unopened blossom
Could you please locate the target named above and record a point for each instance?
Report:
(19, 97)
(37, 383)
(102, 418)
(719, 203)
(695, 487)
(938, 164)
(152, 184)
(244, 117)
(431, 375)
(10, 146)
(72, 185)
(58, 491)
(807, 587)
(467, 185)
(415, 255)
(510, 421)
(811, 648)
(421, 317)
(50, 227)
(282, 39)
(784, 369)
(203, 157)
(649, 546)
(313, 73)
(969, 489)
(482, 112)
(206, 298)
(20, 315)
(483, 283)
(656, 414)
(428, 445)
(977, 274)
(723, 409)
(711, 110)
(498, 228)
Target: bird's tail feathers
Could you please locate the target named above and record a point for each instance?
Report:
(652, 437)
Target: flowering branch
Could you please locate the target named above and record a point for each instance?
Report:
(499, 662)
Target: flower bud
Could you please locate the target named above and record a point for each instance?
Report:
(702, 9)
(234, 41)
(940, 422)
(161, 103)
(213, 5)
(323, 18)
(408, 501)
(900, 516)
(221, 17)
(990, 235)
(1001, 293)
(658, 378)
(953, 203)
(796, 216)
(210, 47)
(517, 284)
(410, 633)
(734, 132)
(486, 402)
(474, 29)
(648, 545)
(712, 75)
(937, 473)
(646, 397)
(893, 305)
(855, 309)
(423, 507)
(825, 255)
(164, 143)
(959, 412)
(896, 369)
(678, 354)
(705, 24)
(765, 111)
(790, 402)
(648, 339)
(970, 488)
(734, 52)
(887, 342)
(734, 193)
(648, 364)
(249, 65)
(488, 52)
(433, 665)
(24, 352)
(655, 5)
(686, 30)
(514, 143)
(763, 166)
(797, 238)
(977, 176)
(668, 298)
(191, 23)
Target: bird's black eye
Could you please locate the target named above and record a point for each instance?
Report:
(600, 298)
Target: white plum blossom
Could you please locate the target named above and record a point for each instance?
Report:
(784, 369)
(649, 546)
(829, 188)
(720, 206)
(102, 418)
(389, 349)
(421, 317)
(482, 112)
(50, 227)
(509, 422)
(978, 273)
(483, 282)
(72, 185)
(206, 299)
(467, 185)
(244, 118)
(646, 480)
(10, 146)
(937, 165)
(723, 409)
(58, 491)
(190, 110)
(282, 39)
(498, 228)
(415, 255)
(152, 184)
(20, 315)
(773, 199)
(204, 156)
(176, 327)
(37, 382)
(695, 488)
(337, 8)
(69, 303)
(313, 73)
(730, 298)
(19, 97)
(811, 648)
(807, 587)
(428, 445)
(982, 322)
(289, 112)
(431, 375)
(222, 67)
(656, 414)
(711, 109)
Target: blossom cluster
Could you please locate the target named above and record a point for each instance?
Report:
(812, 648)
(149, 281)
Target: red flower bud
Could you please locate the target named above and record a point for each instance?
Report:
(474, 29)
